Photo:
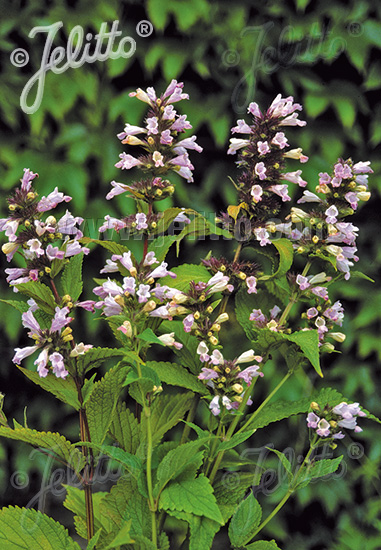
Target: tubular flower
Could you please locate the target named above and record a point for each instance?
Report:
(226, 378)
(327, 421)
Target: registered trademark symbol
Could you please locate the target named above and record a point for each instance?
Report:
(355, 28)
(144, 28)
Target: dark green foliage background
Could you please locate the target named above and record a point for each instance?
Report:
(325, 54)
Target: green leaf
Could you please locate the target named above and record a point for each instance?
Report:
(125, 502)
(361, 275)
(161, 245)
(318, 469)
(231, 489)
(114, 248)
(130, 462)
(75, 502)
(176, 375)
(21, 306)
(40, 293)
(235, 440)
(58, 447)
(94, 357)
(125, 428)
(284, 461)
(64, 390)
(166, 412)
(308, 341)
(186, 457)
(147, 374)
(25, 528)
(185, 274)
(102, 403)
(263, 545)
(194, 496)
(286, 256)
(123, 536)
(245, 521)
(149, 336)
(94, 540)
(72, 277)
(202, 529)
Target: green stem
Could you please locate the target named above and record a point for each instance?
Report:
(151, 501)
(294, 297)
(264, 403)
(291, 489)
(190, 418)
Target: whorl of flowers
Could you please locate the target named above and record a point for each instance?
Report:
(327, 422)
(42, 243)
(226, 378)
(165, 149)
(53, 342)
(322, 230)
(261, 186)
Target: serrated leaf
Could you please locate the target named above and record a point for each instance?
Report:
(147, 374)
(161, 245)
(284, 461)
(235, 440)
(286, 256)
(125, 428)
(21, 306)
(245, 521)
(185, 274)
(185, 458)
(94, 357)
(202, 529)
(318, 469)
(58, 447)
(64, 390)
(40, 293)
(194, 496)
(166, 412)
(75, 502)
(125, 502)
(130, 462)
(123, 536)
(175, 375)
(308, 341)
(102, 403)
(231, 489)
(72, 277)
(25, 528)
(94, 540)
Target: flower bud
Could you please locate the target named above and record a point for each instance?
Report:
(66, 331)
(364, 196)
(158, 192)
(153, 225)
(216, 327)
(298, 215)
(213, 340)
(209, 309)
(196, 315)
(315, 239)
(180, 298)
(150, 140)
(242, 275)
(333, 424)
(12, 207)
(51, 220)
(30, 196)
(126, 328)
(7, 248)
(237, 388)
(329, 348)
(150, 281)
(314, 406)
(222, 318)
(148, 306)
(119, 300)
(338, 336)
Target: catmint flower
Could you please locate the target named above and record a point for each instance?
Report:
(241, 128)
(169, 340)
(312, 312)
(281, 191)
(260, 170)
(256, 192)
(251, 283)
(280, 140)
(302, 282)
(203, 350)
(308, 197)
(295, 177)
(214, 405)
(208, 374)
(331, 214)
(249, 373)
(188, 322)
(262, 236)
(263, 147)
(237, 144)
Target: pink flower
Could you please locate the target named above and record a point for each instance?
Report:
(331, 214)
(302, 282)
(241, 128)
(126, 162)
(58, 365)
(263, 147)
(294, 177)
(256, 192)
(262, 236)
(207, 374)
(281, 191)
(280, 140)
(260, 170)
(51, 201)
(188, 322)
(251, 283)
(141, 221)
(249, 373)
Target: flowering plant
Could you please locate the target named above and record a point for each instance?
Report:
(177, 478)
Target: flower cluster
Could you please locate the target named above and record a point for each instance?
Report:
(226, 378)
(327, 421)
(42, 243)
(53, 342)
(322, 231)
(159, 138)
(262, 187)
(263, 321)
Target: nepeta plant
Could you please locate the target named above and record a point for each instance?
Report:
(142, 413)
